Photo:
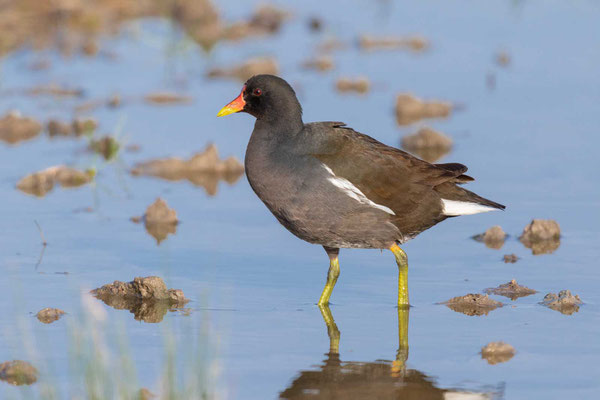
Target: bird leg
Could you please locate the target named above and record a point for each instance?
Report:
(332, 275)
(332, 330)
(399, 365)
(402, 261)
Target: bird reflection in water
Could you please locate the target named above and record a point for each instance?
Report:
(380, 379)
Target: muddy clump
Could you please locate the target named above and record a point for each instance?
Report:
(76, 128)
(159, 220)
(55, 91)
(107, 146)
(410, 109)
(251, 67)
(563, 302)
(42, 182)
(493, 238)
(320, 63)
(14, 128)
(428, 144)
(357, 85)
(511, 289)
(510, 258)
(164, 98)
(497, 352)
(49, 315)
(203, 169)
(473, 304)
(18, 372)
(542, 236)
(58, 128)
(76, 27)
(145, 394)
(147, 298)
(266, 20)
(371, 43)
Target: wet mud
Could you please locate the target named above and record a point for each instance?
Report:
(15, 128)
(49, 315)
(511, 289)
(410, 109)
(203, 169)
(473, 304)
(541, 236)
(563, 302)
(497, 352)
(18, 373)
(148, 299)
(428, 144)
(42, 182)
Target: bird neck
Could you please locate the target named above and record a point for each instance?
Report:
(279, 124)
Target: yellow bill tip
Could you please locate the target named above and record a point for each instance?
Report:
(234, 106)
(226, 111)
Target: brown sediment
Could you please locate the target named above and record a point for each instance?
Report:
(414, 43)
(59, 128)
(75, 26)
(493, 237)
(563, 302)
(510, 258)
(319, 63)
(428, 144)
(18, 372)
(473, 304)
(497, 352)
(512, 290)
(204, 169)
(107, 147)
(542, 236)
(40, 183)
(410, 109)
(249, 68)
(76, 128)
(147, 298)
(145, 394)
(358, 85)
(49, 315)
(166, 98)
(159, 220)
(84, 125)
(14, 128)
(55, 90)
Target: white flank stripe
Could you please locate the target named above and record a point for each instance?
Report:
(453, 208)
(354, 192)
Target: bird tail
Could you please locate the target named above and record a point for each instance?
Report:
(458, 201)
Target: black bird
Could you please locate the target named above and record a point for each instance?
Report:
(333, 186)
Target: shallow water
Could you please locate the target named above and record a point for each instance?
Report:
(528, 142)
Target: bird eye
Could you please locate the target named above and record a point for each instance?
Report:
(257, 92)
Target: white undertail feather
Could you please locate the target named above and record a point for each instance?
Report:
(454, 208)
(354, 192)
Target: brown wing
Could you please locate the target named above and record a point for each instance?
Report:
(388, 176)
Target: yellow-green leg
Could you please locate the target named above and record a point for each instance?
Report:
(399, 365)
(402, 261)
(332, 330)
(332, 275)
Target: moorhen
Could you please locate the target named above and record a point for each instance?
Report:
(333, 186)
